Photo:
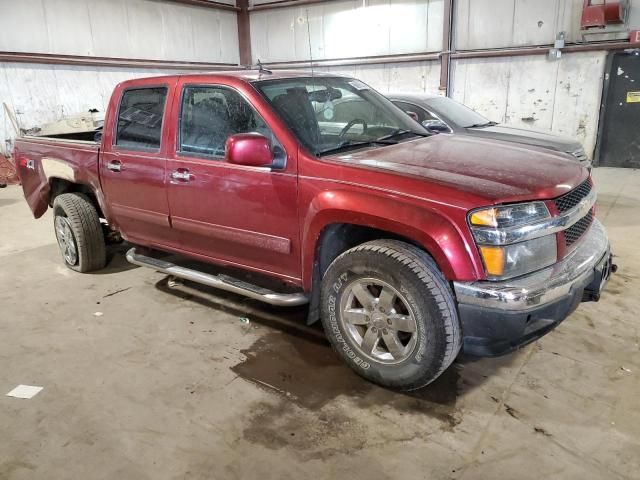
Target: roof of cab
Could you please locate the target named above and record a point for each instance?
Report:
(244, 74)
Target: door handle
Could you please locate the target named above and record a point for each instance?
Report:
(181, 174)
(114, 165)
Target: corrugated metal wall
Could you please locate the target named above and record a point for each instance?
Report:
(347, 29)
(145, 29)
(128, 29)
(517, 23)
(561, 96)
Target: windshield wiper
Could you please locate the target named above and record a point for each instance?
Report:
(481, 125)
(351, 144)
(399, 131)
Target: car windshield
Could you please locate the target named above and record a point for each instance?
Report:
(334, 114)
(457, 113)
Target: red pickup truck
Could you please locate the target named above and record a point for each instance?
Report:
(408, 246)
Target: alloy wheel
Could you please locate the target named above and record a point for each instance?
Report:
(66, 240)
(379, 320)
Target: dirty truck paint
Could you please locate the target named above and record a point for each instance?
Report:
(418, 189)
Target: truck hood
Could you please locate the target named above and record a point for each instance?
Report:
(527, 136)
(494, 171)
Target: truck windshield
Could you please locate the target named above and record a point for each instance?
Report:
(333, 114)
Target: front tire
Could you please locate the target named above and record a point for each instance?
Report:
(79, 233)
(390, 314)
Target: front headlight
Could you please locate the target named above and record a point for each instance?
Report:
(497, 231)
(519, 258)
(505, 216)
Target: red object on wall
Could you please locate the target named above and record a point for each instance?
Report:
(634, 36)
(603, 14)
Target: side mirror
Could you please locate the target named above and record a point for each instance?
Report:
(413, 115)
(435, 126)
(250, 149)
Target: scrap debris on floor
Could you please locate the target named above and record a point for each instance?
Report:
(25, 391)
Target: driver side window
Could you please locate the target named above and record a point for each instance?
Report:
(209, 115)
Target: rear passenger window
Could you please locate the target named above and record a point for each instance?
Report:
(140, 118)
(210, 115)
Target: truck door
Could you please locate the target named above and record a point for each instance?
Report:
(133, 165)
(235, 214)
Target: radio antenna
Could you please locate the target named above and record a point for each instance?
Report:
(309, 38)
(261, 68)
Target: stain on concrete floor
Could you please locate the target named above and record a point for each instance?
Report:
(305, 373)
(4, 202)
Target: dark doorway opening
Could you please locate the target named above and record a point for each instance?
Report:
(619, 130)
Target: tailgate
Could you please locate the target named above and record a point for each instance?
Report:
(39, 160)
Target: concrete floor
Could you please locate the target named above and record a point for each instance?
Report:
(164, 386)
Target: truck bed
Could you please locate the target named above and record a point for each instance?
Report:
(42, 160)
(75, 136)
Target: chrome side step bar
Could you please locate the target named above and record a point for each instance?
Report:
(223, 282)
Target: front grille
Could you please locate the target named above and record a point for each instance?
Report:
(575, 231)
(573, 198)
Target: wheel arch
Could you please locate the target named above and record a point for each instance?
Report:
(336, 226)
(58, 186)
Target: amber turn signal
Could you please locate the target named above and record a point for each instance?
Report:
(484, 218)
(493, 258)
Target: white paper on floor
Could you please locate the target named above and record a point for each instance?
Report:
(24, 391)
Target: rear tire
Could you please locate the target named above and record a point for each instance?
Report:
(79, 233)
(390, 314)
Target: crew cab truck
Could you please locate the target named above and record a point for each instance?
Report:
(408, 246)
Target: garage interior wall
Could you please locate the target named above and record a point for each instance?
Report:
(558, 95)
(346, 29)
(562, 96)
(391, 44)
(152, 30)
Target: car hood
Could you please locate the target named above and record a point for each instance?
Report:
(528, 136)
(494, 171)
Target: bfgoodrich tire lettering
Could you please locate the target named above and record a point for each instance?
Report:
(432, 338)
(76, 212)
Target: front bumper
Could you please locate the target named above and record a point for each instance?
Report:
(498, 317)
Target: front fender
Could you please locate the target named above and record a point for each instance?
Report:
(435, 228)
